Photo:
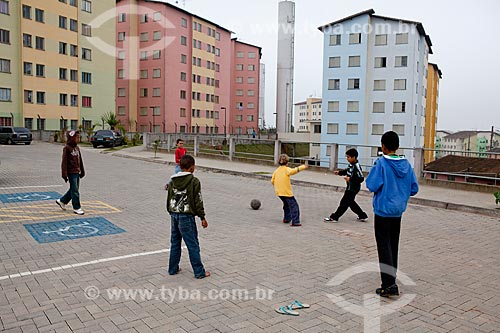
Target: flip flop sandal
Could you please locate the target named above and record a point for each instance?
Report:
(286, 310)
(297, 305)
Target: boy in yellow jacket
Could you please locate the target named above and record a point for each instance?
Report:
(283, 189)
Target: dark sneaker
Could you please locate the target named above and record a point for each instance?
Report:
(389, 291)
(286, 221)
(296, 225)
(329, 219)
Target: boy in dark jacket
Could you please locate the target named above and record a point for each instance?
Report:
(353, 176)
(184, 202)
(392, 182)
(72, 170)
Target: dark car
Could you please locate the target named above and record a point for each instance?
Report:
(11, 135)
(106, 138)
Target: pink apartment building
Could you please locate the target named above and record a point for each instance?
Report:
(180, 73)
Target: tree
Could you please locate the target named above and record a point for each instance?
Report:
(110, 119)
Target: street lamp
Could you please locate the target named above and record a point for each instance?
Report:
(225, 117)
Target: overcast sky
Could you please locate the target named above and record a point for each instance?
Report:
(465, 37)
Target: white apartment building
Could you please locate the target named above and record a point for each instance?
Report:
(307, 116)
(374, 80)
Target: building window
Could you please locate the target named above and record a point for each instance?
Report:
(183, 40)
(144, 37)
(251, 68)
(380, 62)
(27, 40)
(5, 94)
(63, 99)
(40, 97)
(121, 36)
(381, 39)
(351, 129)
(182, 112)
(251, 93)
(378, 107)
(335, 39)
(239, 92)
(401, 61)
(352, 106)
(334, 62)
(27, 12)
(399, 129)
(250, 117)
(377, 129)
(121, 92)
(239, 117)
(332, 129)
(402, 38)
(74, 100)
(143, 74)
(121, 73)
(63, 22)
(28, 68)
(39, 15)
(4, 66)
(63, 48)
(121, 111)
(86, 30)
(28, 96)
(86, 101)
(40, 70)
(121, 55)
(156, 35)
(156, 73)
(143, 92)
(86, 54)
(87, 6)
(4, 36)
(143, 18)
(156, 16)
(183, 94)
(73, 3)
(4, 7)
(73, 25)
(379, 85)
(250, 106)
(354, 61)
(239, 67)
(355, 38)
(252, 55)
(184, 23)
(251, 80)
(86, 78)
(353, 84)
(240, 54)
(399, 84)
(333, 84)
(63, 74)
(156, 54)
(28, 123)
(399, 107)
(73, 50)
(73, 75)
(333, 106)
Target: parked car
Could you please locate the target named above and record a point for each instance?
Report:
(11, 135)
(106, 138)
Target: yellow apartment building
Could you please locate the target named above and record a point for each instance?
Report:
(433, 76)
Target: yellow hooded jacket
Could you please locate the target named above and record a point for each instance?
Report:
(281, 180)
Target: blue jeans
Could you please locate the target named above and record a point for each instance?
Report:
(73, 193)
(183, 226)
(176, 171)
(291, 210)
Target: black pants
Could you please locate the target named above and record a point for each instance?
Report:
(387, 230)
(346, 202)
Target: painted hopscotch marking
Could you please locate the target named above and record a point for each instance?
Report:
(44, 211)
(87, 263)
(72, 229)
(28, 197)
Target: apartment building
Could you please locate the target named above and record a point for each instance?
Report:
(51, 76)
(434, 74)
(180, 73)
(307, 116)
(374, 80)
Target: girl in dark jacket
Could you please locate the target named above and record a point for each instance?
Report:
(72, 170)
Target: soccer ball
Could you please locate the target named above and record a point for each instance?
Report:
(255, 204)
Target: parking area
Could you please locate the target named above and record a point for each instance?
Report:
(106, 271)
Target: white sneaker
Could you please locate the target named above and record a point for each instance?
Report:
(79, 211)
(59, 202)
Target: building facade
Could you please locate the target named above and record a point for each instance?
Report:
(181, 73)
(374, 80)
(51, 75)
(431, 114)
(307, 116)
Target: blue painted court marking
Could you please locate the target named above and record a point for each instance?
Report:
(48, 232)
(29, 196)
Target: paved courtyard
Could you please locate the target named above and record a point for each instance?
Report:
(449, 261)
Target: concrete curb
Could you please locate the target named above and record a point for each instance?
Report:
(412, 201)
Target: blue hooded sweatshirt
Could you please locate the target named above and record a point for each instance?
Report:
(392, 182)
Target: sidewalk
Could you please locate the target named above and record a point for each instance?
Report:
(433, 196)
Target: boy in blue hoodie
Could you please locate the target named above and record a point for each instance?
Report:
(392, 182)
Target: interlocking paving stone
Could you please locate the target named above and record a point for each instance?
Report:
(451, 256)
